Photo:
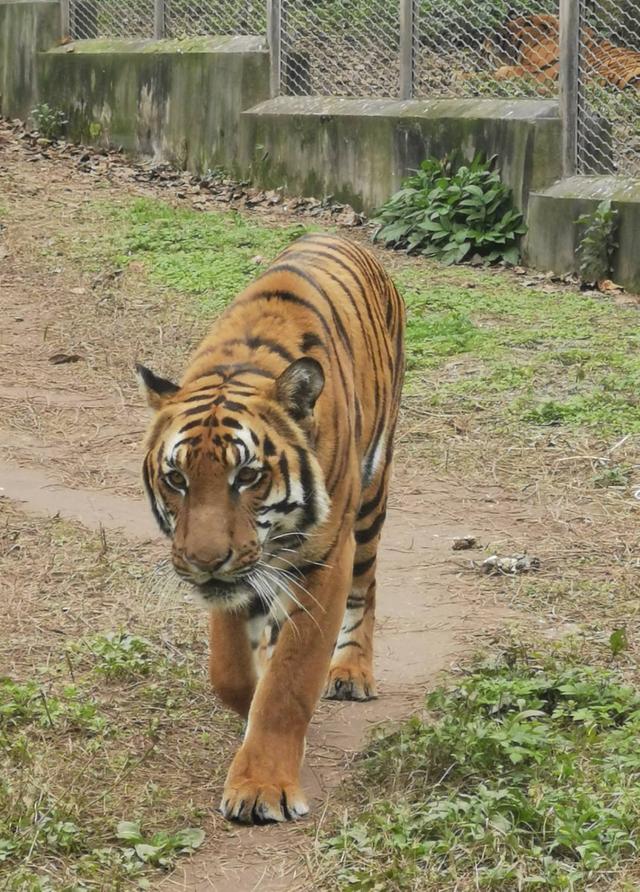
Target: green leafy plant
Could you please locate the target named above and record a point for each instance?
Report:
(598, 242)
(618, 642)
(120, 655)
(27, 703)
(50, 122)
(527, 776)
(161, 849)
(452, 211)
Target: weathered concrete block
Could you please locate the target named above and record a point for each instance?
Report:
(174, 100)
(554, 234)
(25, 29)
(358, 150)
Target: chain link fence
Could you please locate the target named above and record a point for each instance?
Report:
(487, 48)
(340, 47)
(165, 18)
(459, 47)
(110, 18)
(427, 49)
(608, 119)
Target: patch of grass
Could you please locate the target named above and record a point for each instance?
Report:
(118, 654)
(539, 359)
(100, 727)
(28, 703)
(527, 776)
(211, 255)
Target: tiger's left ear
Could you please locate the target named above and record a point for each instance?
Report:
(299, 386)
(155, 390)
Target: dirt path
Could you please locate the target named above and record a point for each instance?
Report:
(69, 444)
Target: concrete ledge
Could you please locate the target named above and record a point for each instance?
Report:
(554, 235)
(174, 100)
(191, 45)
(360, 149)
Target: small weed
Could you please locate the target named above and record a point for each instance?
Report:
(50, 122)
(160, 849)
(612, 476)
(451, 211)
(119, 655)
(529, 776)
(27, 703)
(598, 244)
(618, 642)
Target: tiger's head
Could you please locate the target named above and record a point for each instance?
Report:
(232, 477)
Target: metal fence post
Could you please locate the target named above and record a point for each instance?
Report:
(159, 26)
(274, 39)
(64, 18)
(569, 79)
(407, 48)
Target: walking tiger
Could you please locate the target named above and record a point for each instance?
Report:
(268, 468)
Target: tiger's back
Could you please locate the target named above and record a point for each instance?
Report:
(328, 299)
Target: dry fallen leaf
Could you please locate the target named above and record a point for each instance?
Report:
(62, 358)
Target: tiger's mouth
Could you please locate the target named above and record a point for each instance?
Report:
(224, 594)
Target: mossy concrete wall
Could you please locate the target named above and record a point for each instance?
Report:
(358, 150)
(554, 233)
(174, 100)
(25, 29)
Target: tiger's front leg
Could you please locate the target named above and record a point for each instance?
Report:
(263, 783)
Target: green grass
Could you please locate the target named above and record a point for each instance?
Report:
(527, 776)
(538, 359)
(208, 255)
(477, 340)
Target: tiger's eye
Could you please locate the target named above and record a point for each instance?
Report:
(247, 476)
(176, 480)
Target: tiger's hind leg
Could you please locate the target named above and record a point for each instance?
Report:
(351, 671)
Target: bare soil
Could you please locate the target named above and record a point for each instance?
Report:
(70, 438)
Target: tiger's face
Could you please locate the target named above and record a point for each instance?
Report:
(234, 484)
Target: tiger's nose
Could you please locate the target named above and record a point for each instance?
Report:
(206, 564)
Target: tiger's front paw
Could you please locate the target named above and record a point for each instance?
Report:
(253, 801)
(262, 784)
(350, 683)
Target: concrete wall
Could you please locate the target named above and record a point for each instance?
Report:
(360, 149)
(25, 29)
(554, 234)
(204, 103)
(176, 100)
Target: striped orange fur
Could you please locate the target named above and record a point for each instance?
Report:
(268, 467)
(534, 40)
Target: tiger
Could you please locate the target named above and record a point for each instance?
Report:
(534, 41)
(268, 468)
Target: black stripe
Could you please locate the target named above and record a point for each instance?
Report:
(255, 343)
(189, 426)
(228, 421)
(355, 626)
(364, 536)
(349, 644)
(146, 476)
(362, 566)
(283, 464)
(337, 321)
(309, 341)
(367, 507)
(308, 488)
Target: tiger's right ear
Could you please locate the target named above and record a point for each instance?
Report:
(155, 390)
